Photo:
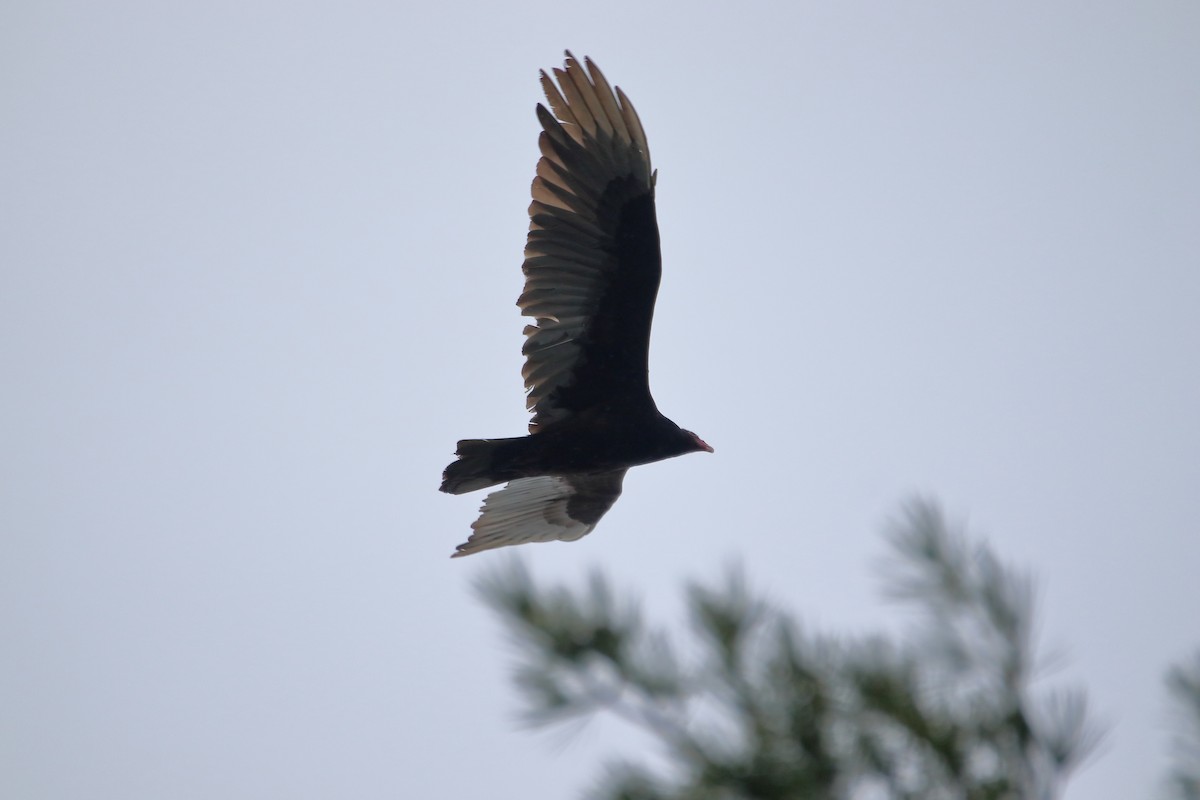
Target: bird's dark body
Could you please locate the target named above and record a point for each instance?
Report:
(576, 447)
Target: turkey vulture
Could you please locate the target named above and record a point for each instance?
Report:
(592, 268)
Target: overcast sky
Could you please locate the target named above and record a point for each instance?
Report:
(259, 264)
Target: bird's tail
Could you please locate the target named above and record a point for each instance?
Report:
(480, 464)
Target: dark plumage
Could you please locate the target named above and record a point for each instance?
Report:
(592, 269)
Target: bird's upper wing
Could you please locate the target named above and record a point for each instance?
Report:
(543, 509)
(592, 263)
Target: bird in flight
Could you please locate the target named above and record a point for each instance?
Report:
(592, 269)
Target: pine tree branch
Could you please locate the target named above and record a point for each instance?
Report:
(768, 712)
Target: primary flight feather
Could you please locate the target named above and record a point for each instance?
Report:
(592, 268)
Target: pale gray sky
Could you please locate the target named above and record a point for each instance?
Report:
(259, 264)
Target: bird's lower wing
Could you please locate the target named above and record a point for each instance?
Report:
(542, 509)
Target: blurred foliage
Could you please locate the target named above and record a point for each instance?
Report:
(762, 710)
(1183, 689)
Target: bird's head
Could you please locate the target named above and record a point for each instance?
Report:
(696, 442)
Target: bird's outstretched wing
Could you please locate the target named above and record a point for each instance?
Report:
(543, 509)
(592, 263)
